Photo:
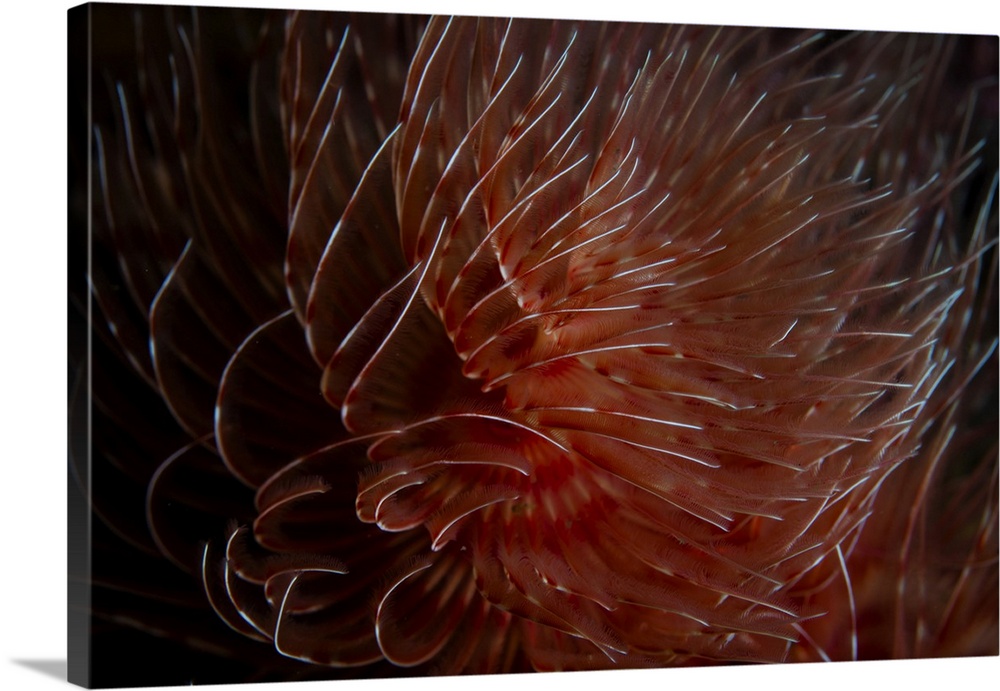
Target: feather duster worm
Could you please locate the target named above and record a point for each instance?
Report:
(485, 345)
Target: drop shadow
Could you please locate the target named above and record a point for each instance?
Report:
(57, 669)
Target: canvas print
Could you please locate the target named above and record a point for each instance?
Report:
(411, 345)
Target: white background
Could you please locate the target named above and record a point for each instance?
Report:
(33, 336)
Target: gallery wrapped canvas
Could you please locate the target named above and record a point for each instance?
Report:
(410, 345)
